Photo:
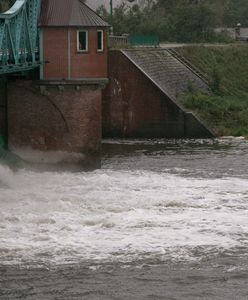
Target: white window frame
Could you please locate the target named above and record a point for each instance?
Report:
(102, 41)
(87, 41)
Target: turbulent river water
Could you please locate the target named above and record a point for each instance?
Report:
(162, 219)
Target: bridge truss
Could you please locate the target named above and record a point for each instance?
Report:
(19, 39)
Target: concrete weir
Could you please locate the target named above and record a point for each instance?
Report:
(141, 99)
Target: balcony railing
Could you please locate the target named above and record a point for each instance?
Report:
(118, 41)
(125, 41)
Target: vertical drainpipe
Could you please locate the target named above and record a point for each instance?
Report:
(41, 55)
(69, 54)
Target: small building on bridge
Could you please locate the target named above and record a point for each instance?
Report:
(73, 41)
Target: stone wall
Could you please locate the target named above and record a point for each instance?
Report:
(55, 123)
(133, 106)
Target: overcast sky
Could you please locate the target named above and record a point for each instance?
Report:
(95, 3)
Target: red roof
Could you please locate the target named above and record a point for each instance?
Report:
(68, 13)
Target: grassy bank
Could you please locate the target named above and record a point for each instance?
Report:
(226, 109)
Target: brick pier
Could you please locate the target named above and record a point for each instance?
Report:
(56, 122)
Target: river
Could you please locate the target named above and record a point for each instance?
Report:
(162, 219)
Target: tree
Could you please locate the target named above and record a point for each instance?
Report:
(193, 23)
(179, 20)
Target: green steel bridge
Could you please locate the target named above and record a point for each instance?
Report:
(19, 37)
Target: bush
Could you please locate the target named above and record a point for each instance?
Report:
(227, 115)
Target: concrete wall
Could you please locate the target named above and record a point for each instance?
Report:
(134, 107)
(63, 62)
(55, 124)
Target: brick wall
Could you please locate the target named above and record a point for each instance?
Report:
(56, 119)
(133, 106)
(55, 53)
(92, 64)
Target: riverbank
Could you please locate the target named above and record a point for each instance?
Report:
(226, 67)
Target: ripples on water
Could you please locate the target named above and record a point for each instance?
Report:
(153, 200)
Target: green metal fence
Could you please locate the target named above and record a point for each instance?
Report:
(143, 40)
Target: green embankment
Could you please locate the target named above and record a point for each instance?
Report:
(225, 110)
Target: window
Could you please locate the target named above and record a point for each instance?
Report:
(82, 41)
(99, 40)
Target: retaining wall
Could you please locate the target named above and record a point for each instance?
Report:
(134, 106)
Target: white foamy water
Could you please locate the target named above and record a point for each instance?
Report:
(118, 215)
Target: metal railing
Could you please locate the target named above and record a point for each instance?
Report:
(19, 37)
(125, 41)
(118, 41)
(143, 40)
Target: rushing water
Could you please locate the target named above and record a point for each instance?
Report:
(160, 217)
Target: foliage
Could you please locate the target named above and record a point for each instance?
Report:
(227, 63)
(226, 115)
(178, 20)
(226, 109)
